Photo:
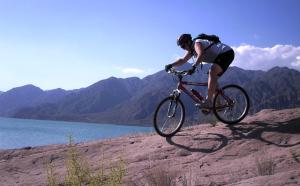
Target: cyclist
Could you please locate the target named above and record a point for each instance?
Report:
(219, 54)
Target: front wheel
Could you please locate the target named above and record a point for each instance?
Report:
(231, 104)
(169, 116)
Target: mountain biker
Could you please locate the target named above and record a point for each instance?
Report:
(219, 54)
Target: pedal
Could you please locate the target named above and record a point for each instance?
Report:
(206, 111)
(198, 105)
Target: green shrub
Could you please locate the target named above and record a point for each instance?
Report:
(78, 171)
(50, 176)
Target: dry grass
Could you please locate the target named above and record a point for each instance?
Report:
(52, 181)
(265, 166)
(295, 155)
(161, 177)
(78, 171)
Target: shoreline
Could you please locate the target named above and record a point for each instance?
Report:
(82, 122)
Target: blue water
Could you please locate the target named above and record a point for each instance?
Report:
(18, 133)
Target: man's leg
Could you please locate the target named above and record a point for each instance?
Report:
(213, 80)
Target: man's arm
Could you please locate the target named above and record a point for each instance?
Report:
(199, 53)
(183, 60)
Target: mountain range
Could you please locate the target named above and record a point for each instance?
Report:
(133, 100)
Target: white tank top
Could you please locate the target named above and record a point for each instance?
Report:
(212, 52)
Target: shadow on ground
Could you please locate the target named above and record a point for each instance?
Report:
(216, 142)
(256, 130)
(273, 133)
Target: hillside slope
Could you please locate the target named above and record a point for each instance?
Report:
(199, 155)
(133, 100)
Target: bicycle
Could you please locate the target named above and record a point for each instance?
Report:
(230, 105)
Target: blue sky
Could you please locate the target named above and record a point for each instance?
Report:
(73, 43)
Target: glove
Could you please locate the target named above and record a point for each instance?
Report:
(168, 67)
(192, 70)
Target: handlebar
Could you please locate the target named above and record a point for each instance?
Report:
(181, 73)
(178, 73)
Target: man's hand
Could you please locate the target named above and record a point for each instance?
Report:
(192, 70)
(168, 67)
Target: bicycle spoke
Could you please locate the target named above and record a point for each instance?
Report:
(162, 129)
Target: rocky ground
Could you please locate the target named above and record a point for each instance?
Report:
(262, 150)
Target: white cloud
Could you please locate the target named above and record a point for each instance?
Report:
(124, 72)
(297, 62)
(257, 58)
(132, 71)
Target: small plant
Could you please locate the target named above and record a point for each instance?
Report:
(265, 166)
(160, 177)
(295, 156)
(79, 173)
(51, 179)
(116, 173)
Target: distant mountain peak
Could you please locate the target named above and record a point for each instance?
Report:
(56, 90)
(112, 77)
(26, 88)
(280, 71)
(132, 78)
(277, 68)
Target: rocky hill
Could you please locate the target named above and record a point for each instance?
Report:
(262, 150)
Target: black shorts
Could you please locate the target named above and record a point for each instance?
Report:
(224, 60)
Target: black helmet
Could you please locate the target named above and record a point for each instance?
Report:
(184, 38)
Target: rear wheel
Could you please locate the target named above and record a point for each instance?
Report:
(169, 116)
(231, 104)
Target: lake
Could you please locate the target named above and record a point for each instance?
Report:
(18, 133)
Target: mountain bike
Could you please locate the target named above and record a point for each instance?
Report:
(230, 105)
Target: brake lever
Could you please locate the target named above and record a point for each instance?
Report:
(171, 70)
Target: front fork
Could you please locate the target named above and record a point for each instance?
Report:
(173, 104)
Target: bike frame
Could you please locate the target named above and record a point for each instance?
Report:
(181, 87)
(199, 98)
